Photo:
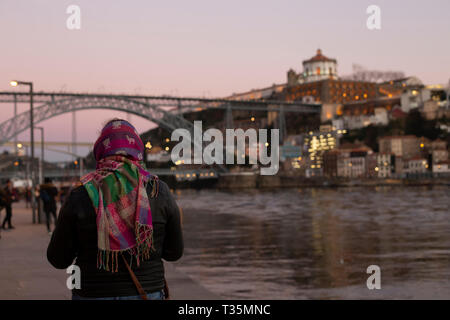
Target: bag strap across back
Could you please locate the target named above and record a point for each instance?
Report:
(136, 282)
(138, 285)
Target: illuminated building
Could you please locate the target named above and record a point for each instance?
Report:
(415, 165)
(385, 165)
(351, 164)
(319, 83)
(317, 68)
(349, 161)
(332, 91)
(317, 143)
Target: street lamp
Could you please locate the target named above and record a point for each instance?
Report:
(81, 163)
(20, 146)
(15, 83)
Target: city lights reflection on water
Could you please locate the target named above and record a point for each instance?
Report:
(318, 243)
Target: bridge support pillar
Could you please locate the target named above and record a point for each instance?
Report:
(229, 118)
(282, 124)
(180, 110)
(74, 133)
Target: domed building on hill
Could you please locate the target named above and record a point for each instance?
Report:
(317, 68)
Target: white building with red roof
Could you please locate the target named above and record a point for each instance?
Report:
(316, 68)
(319, 68)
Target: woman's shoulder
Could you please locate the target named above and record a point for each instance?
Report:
(78, 194)
(77, 204)
(79, 189)
(162, 188)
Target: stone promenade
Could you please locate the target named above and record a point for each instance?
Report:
(25, 272)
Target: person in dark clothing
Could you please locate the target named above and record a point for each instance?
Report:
(2, 205)
(120, 216)
(48, 193)
(27, 197)
(63, 191)
(8, 197)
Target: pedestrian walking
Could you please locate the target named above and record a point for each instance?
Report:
(63, 192)
(9, 196)
(2, 205)
(27, 197)
(119, 224)
(48, 193)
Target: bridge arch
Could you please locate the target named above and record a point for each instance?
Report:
(53, 108)
(153, 113)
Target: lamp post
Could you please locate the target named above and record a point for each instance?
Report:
(15, 124)
(41, 171)
(16, 83)
(81, 167)
(41, 164)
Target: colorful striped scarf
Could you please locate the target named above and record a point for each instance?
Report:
(118, 193)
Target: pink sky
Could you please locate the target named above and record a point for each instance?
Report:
(206, 48)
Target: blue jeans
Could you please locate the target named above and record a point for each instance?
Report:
(158, 295)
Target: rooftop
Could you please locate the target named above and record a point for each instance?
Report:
(319, 57)
(398, 113)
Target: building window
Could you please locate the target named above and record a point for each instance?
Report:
(318, 70)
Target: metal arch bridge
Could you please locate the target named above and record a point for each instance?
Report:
(162, 110)
(165, 111)
(53, 105)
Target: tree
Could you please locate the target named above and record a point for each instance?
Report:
(414, 123)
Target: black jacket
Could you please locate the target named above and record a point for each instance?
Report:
(75, 236)
(7, 196)
(51, 192)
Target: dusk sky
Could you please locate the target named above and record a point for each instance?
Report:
(206, 48)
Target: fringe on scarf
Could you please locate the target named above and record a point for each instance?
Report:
(155, 186)
(109, 260)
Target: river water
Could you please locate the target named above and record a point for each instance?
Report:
(318, 243)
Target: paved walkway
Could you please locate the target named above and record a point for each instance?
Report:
(25, 272)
